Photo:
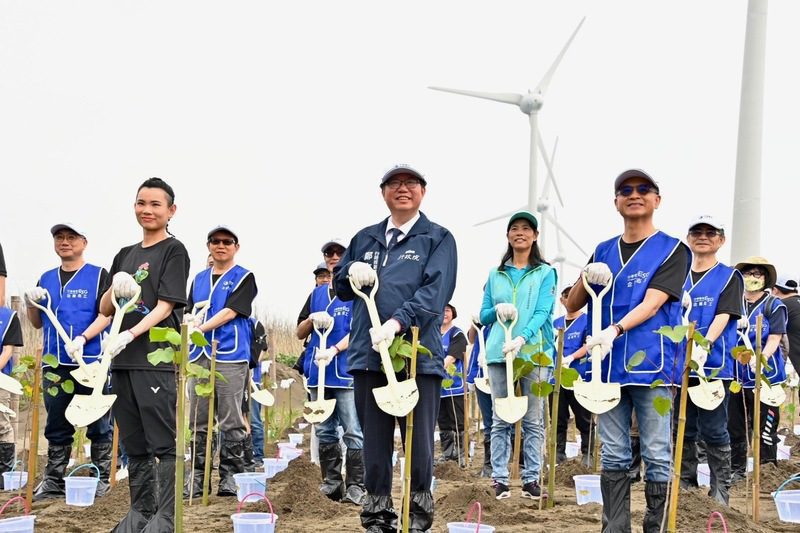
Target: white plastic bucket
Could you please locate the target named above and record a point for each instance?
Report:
(703, 475)
(296, 439)
(394, 458)
(273, 465)
(14, 480)
(18, 524)
(80, 491)
(784, 452)
(788, 504)
(254, 522)
(587, 489)
(302, 425)
(250, 483)
(468, 527)
(573, 449)
(87, 450)
(287, 450)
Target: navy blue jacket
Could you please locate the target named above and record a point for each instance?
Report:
(417, 278)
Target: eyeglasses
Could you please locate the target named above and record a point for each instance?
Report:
(69, 237)
(755, 273)
(410, 183)
(226, 242)
(330, 252)
(642, 188)
(707, 233)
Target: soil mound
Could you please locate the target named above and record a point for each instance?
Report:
(450, 470)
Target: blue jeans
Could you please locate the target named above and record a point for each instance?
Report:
(655, 440)
(257, 430)
(485, 405)
(344, 414)
(532, 425)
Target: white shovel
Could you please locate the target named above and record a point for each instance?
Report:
(320, 408)
(398, 397)
(482, 383)
(262, 396)
(511, 408)
(772, 395)
(86, 408)
(706, 395)
(595, 396)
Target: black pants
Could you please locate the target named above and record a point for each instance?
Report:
(145, 411)
(57, 430)
(451, 414)
(583, 418)
(378, 428)
(740, 427)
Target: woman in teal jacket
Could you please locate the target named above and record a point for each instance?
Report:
(522, 287)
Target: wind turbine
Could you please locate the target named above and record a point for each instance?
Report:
(530, 104)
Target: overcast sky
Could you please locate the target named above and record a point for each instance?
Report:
(278, 118)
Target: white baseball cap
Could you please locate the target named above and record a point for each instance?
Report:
(68, 226)
(708, 220)
(336, 241)
(225, 229)
(786, 283)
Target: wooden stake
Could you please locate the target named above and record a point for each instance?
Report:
(210, 426)
(114, 447)
(595, 430)
(516, 450)
(409, 436)
(180, 445)
(551, 449)
(465, 445)
(676, 472)
(33, 452)
(757, 424)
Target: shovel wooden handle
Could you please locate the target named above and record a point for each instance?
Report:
(375, 320)
(597, 325)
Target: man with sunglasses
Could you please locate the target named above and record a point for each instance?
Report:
(230, 290)
(415, 261)
(713, 293)
(646, 269)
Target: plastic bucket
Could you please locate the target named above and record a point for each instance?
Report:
(250, 483)
(296, 439)
(784, 452)
(302, 425)
(14, 480)
(254, 522)
(17, 524)
(573, 449)
(587, 489)
(470, 527)
(788, 502)
(287, 450)
(273, 465)
(703, 475)
(80, 491)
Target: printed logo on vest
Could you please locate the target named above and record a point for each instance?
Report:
(76, 293)
(703, 301)
(637, 278)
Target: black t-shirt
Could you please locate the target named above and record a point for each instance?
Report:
(2, 263)
(305, 312)
(162, 270)
(240, 300)
(776, 316)
(259, 343)
(730, 299)
(458, 345)
(792, 304)
(13, 335)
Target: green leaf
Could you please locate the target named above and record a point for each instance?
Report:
(656, 383)
(676, 334)
(28, 360)
(423, 350)
(198, 339)
(528, 349)
(159, 334)
(51, 376)
(662, 405)
(173, 337)
(19, 369)
(636, 360)
(68, 386)
(735, 387)
(742, 354)
(398, 363)
(220, 377)
(521, 368)
(791, 409)
(451, 369)
(52, 391)
(162, 355)
(693, 365)
(714, 373)
(701, 341)
(404, 350)
(447, 382)
(203, 389)
(568, 376)
(765, 380)
(541, 389)
(50, 360)
(196, 371)
(541, 359)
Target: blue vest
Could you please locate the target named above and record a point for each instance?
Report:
(234, 336)
(475, 369)
(336, 375)
(574, 339)
(705, 299)
(777, 373)
(457, 388)
(663, 359)
(6, 315)
(75, 307)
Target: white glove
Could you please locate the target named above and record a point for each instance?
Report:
(481, 359)
(604, 340)
(792, 379)
(743, 323)
(686, 300)
(476, 319)
(123, 285)
(566, 361)
(513, 346)
(75, 347)
(190, 319)
(36, 294)
(699, 355)
(115, 345)
(470, 387)
(321, 320)
(598, 274)
(386, 332)
(325, 356)
(362, 275)
(752, 363)
(505, 312)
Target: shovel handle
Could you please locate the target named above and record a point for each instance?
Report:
(48, 311)
(597, 323)
(509, 357)
(116, 325)
(375, 320)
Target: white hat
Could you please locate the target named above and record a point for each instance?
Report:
(226, 229)
(708, 220)
(336, 241)
(786, 283)
(68, 226)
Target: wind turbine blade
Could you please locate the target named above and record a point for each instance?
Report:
(574, 265)
(558, 226)
(506, 98)
(542, 87)
(504, 215)
(550, 175)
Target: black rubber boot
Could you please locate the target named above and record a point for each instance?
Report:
(769, 453)
(7, 460)
(249, 457)
(355, 491)
(459, 453)
(52, 486)
(330, 464)
(486, 471)
(378, 515)
(615, 486)
(561, 446)
(101, 457)
(719, 465)
(635, 471)
(689, 465)
(143, 489)
(738, 461)
(701, 452)
(655, 495)
(163, 521)
(196, 474)
(231, 461)
(587, 448)
(420, 516)
(447, 444)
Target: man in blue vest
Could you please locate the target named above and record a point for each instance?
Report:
(415, 261)
(10, 336)
(74, 291)
(230, 290)
(714, 292)
(646, 269)
(451, 406)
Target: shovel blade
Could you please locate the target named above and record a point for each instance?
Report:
(7, 411)
(482, 384)
(319, 411)
(773, 396)
(87, 377)
(397, 400)
(86, 408)
(707, 396)
(511, 408)
(597, 397)
(10, 384)
(264, 397)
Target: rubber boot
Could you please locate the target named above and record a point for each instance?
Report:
(7, 459)
(719, 465)
(459, 453)
(330, 464)
(249, 455)
(355, 477)
(193, 486)
(701, 451)
(689, 465)
(447, 443)
(561, 446)
(769, 453)
(486, 471)
(635, 470)
(163, 521)
(101, 457)
(143, 489)
(378, 515)
(615, 486)
(738, 461)
(587, 448)
(52, 486)
(420, 516)
(655, 495)
(231, 461)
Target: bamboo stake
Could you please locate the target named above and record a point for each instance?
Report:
(757, 424)
(114, 447)
(180, 446)
(33, 451)
(515, 452)
(210, 426)
(551, 450)
(16, 352)
(409, 435)
(595, 431)
(465, 446)
(676, 473)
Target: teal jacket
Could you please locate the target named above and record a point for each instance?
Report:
(534, 296)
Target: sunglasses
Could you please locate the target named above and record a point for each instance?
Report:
(707, 233)
(226, 242)
(332, 252)
(642, 189)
